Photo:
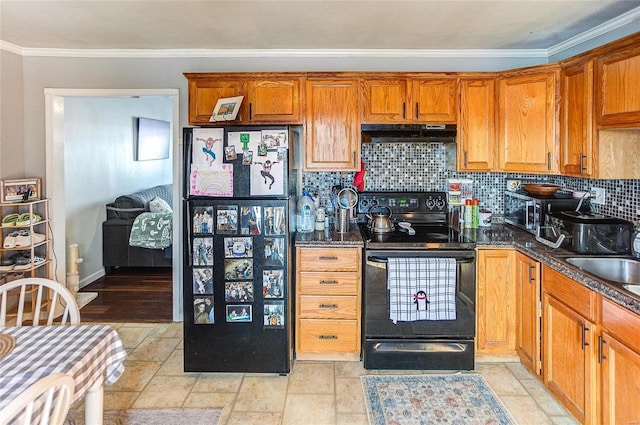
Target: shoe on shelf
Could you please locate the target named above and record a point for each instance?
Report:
(25, 238)
(25, 262)
(7, 264)
(10, 240)
(27, 219)
(9, 220)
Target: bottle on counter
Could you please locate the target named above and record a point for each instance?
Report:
(475, 207)
(468, 214)
(305, 217)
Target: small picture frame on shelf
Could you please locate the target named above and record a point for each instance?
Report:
(20, 190)
(226, 109)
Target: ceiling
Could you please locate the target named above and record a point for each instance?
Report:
(305, 25)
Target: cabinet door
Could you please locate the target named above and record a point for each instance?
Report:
(476, 134)
(618, 89)
(274, 100)
(332, 139)
(528, 312)
(385, 100)
(527, 124)
(204, 94)
(576, 120)
(496, 310)
(620, 377)
(435, 101)
(569, 362)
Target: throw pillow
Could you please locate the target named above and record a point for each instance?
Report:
(159, 205)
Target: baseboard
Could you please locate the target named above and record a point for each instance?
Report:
(91, 278)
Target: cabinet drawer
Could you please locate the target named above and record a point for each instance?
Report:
(314, 307)
(317, 283)
(329, 259)
(621, 323)
(328, 336)
(579, 298)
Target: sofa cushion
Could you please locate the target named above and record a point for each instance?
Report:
(159, 205)
(130, 206)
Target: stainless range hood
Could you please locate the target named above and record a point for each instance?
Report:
(408, 133)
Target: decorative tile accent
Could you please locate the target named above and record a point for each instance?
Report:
(423, 167)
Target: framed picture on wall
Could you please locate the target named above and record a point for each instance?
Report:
(153, 138)
(20, 190)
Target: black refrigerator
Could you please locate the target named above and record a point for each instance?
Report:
(239, 204)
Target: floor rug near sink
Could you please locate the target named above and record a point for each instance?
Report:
(462, 398)
(151, 417)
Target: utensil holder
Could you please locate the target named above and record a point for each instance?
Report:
(342, 220)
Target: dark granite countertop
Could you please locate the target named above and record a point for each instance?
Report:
(496, 236)
(504, 235)
(327, 237)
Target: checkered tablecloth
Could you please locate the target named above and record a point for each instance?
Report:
(85, 352)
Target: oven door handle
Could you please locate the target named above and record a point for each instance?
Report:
(382, 260)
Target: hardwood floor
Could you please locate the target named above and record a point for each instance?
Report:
(133, 294)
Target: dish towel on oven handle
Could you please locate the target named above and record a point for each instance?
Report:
(421, 288)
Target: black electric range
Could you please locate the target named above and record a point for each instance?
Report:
(427, 213)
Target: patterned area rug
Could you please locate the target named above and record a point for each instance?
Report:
(152, 417)
(432, 399)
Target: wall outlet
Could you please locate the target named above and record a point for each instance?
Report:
(597, 196)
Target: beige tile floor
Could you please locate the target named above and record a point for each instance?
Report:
(323, 393)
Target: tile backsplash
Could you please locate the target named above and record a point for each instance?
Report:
(426, 167)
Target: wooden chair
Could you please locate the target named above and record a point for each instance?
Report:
(49, 400)
(59, 304)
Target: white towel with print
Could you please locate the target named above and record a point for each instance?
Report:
(421, 289)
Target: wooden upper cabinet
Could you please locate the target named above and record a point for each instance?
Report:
(274, 100)
(618, 89)
(204, 94)
(477, 129)
(267, 98)
(409, 100)
(435, 101)
(527, 123)
(576, 120)
(332, 128)
(385, 100)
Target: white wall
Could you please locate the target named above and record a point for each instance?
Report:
(99, 166)
(11, 117)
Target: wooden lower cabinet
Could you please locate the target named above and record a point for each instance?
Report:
(496, 308)
(569, 312)
(619, 360)
(528, 313)
(328, 300)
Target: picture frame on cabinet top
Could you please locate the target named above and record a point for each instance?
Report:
(226, 109)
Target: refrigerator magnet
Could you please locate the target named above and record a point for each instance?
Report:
(230, 153)
(247, 157)
(267, 176)
(238, 269)
(203, 311)
(275, 138)
(227, 219)
(274, 221)
(202, 220)
(202, 251)
(272, 284)
(273, 315)
(250, 220)
(203, 281)
(274, 252)
(238, 247)
(238, 292)
(239, 313)
(207, 147)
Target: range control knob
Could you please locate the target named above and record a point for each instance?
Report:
(440, 203)
(431, 203)
(364, 203)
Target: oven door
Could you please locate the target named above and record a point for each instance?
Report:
(424, 344)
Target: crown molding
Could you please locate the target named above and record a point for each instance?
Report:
(620, 21)
(276, 53)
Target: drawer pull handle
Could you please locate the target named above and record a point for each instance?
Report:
(327, 337)
(328, 282)
(328, 305)
(325, 258)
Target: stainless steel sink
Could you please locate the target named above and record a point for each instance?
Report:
(625, 271)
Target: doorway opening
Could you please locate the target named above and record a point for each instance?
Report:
(58, 172)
